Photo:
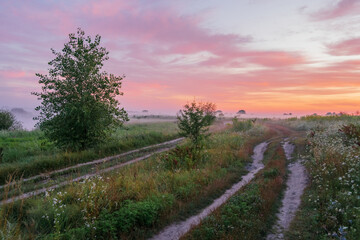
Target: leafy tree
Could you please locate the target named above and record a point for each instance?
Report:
(194, 121)
(78, 100)
(8, 121)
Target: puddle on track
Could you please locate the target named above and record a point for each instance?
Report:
(176, 230)
(296, 184)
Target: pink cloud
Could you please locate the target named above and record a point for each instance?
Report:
(12, 74)
(104, 8)
(275, 58)
(160, 31)
(347, 47)
(151, 45)
(342, 8)
(143, 32)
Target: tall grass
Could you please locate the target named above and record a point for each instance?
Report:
(140, 198)
(30, 153)
(248, 214)
(331, 204)
(242, 125)
(320, 122)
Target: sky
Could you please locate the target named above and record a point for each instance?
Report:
(299, 56)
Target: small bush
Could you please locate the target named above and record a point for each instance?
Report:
(180, 157)
(194, 121)
(8, 121)
(243, 125)
(131, 214)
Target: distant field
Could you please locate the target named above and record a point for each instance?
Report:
(28, 153)
(150, 119)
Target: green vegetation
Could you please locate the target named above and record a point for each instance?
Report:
(78, 100)
(319, 122)
(8, 121)
(331, 204)
(137, 200)
(250, 213)
(194, 121)
(242, 125)
(30, 153)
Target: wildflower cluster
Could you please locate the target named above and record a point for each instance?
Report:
(334, 167)
(88, 195)
(58, 205)
(91, 199)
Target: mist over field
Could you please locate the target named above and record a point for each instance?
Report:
(25, 116)
(180, 120)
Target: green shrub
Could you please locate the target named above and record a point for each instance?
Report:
(131, 214)
(194, 121)
(8, 121)
(180, 157)
(242, 125)
(271, 173)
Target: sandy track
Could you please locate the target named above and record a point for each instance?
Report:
(98, 161)
(176, 230)
(43, 190)
(296, 184)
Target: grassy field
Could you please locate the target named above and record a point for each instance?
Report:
(137, 200)
(28, 153)
(250, 213)
(330, 206)
(331, 203)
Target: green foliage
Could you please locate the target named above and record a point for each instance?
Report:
(194, 120)
(180, 157)
(331, 204)
(8, 231)
(239, 216)
(29, 153)
(131, 214)
(78, 100)
(8, 121)
(135, 201)
(243, 125)
(271, 173)
(247, 214)
(352, 132)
